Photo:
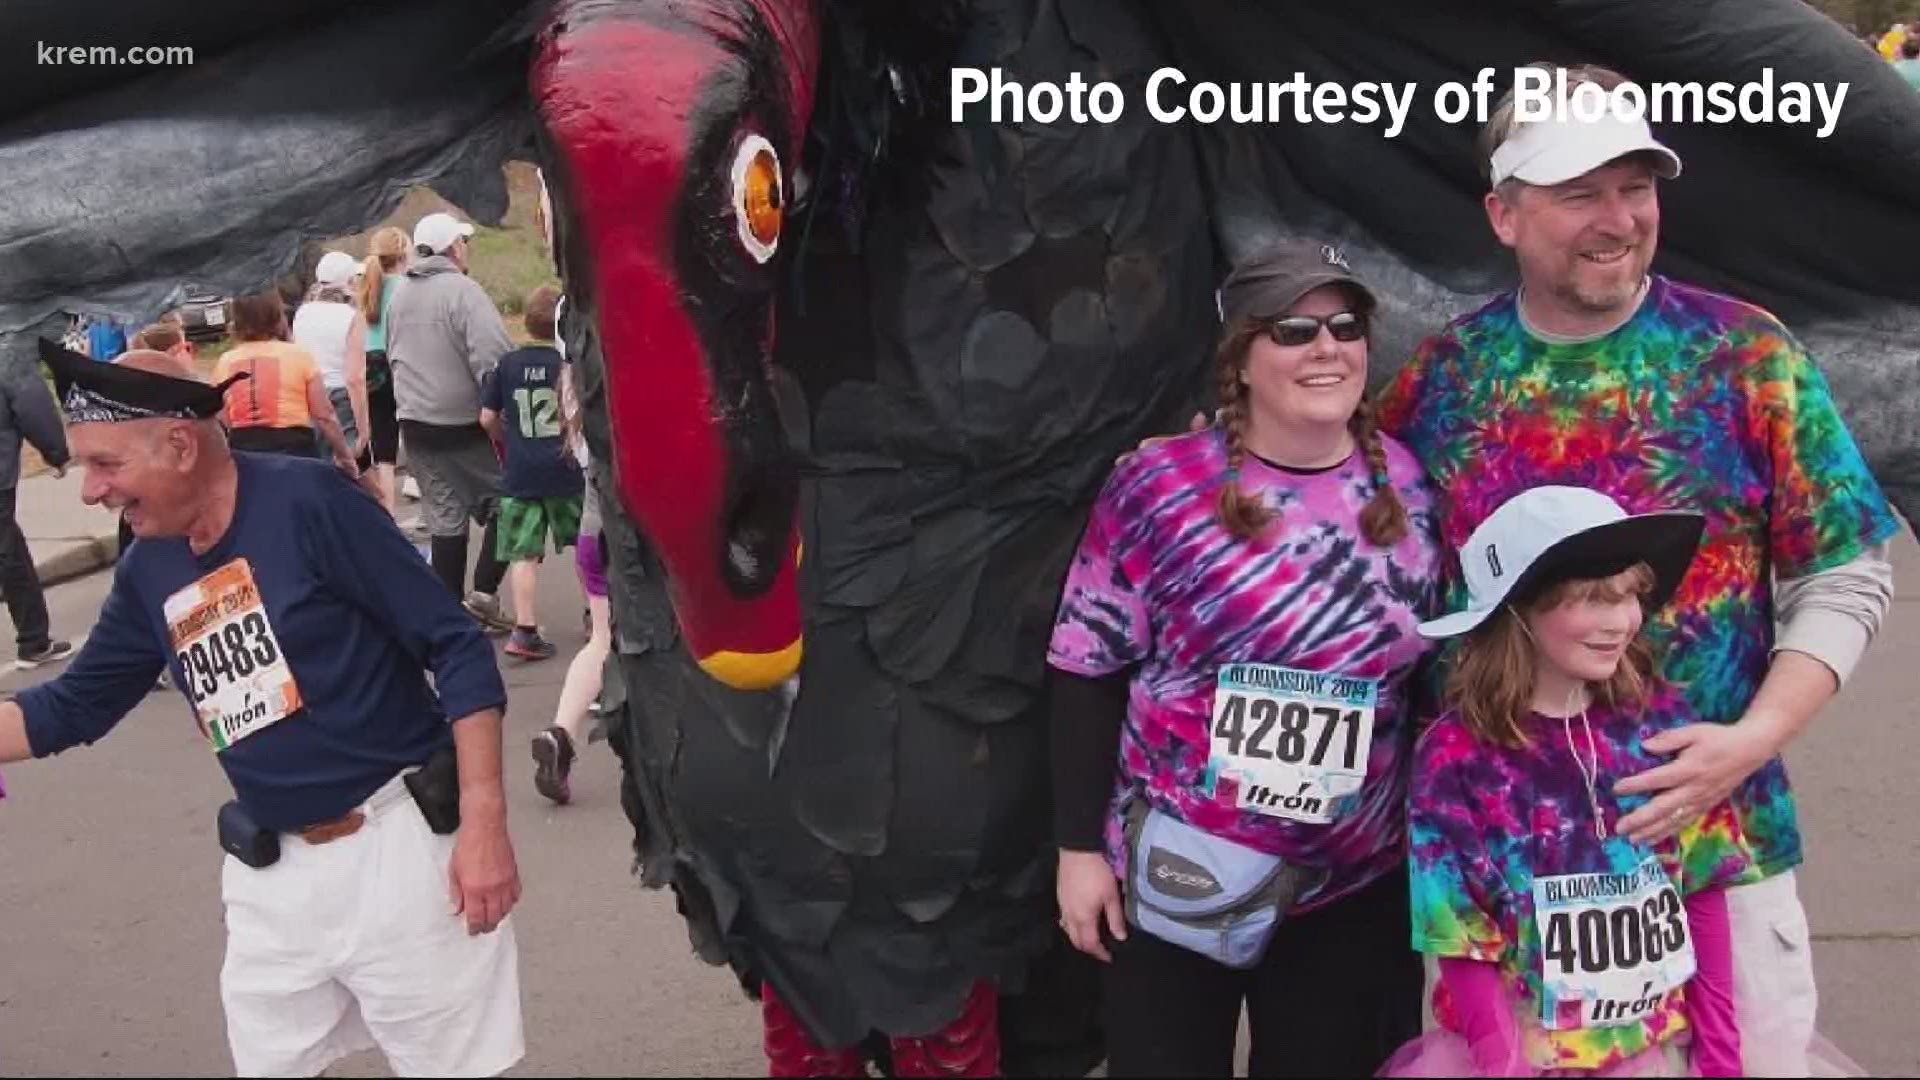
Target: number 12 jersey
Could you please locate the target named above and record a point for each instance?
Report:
(525, 391)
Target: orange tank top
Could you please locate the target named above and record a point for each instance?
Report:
(275, 396)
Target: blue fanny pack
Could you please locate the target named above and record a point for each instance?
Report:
(1218, 897)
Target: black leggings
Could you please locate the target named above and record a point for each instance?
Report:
(384, 440)
(448, 554)
(1338, 991)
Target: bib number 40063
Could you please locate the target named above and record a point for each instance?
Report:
(1339, 731)
(1596, 940)
(1612, 945)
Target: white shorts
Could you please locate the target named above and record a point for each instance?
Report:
(1773, 991)
(349, 945)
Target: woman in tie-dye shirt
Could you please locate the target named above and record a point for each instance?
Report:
(1226, 576)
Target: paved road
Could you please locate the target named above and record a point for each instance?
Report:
(110, 931)
(110, 921)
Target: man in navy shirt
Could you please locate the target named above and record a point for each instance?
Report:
(541, 485)
(302, 628)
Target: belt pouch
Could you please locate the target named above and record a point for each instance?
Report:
(435, 788)
(245, 839)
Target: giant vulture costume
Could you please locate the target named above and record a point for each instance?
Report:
(856, 372)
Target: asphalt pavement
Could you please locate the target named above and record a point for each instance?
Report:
(110, 920)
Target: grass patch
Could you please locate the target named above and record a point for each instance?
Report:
(510, 263)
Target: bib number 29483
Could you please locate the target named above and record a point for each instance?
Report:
(229, 656)
(1296, 741)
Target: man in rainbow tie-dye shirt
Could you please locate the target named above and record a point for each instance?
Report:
(1598, 373)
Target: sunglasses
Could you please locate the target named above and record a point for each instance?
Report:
(1296, 330)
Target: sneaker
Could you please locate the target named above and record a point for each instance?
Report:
(552, 763)
(485, 607)
(529, 645)
(49, 653)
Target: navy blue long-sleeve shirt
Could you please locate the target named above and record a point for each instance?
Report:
(359, 616)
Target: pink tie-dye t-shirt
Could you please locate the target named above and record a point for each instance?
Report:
(1159, 582)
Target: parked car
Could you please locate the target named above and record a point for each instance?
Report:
(204, 316)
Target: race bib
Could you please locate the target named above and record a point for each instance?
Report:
(1297, 741)
(1615, 943)
(234, 669)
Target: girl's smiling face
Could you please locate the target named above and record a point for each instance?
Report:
(1585, 635)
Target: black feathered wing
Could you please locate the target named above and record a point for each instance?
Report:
(126, 184)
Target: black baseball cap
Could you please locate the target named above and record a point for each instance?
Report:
(1274, 278)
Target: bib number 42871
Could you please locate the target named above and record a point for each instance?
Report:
(1281, 732)
(1296, 742)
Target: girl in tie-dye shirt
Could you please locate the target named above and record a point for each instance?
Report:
(1233, 654)
(1563, 945)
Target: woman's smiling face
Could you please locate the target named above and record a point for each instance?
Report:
(1311, 385)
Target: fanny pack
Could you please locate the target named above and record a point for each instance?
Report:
(1217, 897)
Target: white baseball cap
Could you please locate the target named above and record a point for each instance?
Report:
(1548, 534)
(1563, 146)
(335, 268)
(436, 232)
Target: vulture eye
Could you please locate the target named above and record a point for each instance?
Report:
(757, 205)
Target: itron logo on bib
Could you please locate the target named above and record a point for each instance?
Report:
(234, 668)
(1296, 741)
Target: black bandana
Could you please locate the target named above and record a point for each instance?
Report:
(92, 392)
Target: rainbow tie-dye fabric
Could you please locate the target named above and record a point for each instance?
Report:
(1484, 821)
(1700, 402)
(1158, 582)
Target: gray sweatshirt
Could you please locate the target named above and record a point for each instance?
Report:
(27, 410)
(443, 336)
(1833, 615)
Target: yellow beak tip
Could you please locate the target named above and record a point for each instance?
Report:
(753, 671)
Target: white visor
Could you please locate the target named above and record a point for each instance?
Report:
(1556, 150)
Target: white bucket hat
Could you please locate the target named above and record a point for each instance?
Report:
(1549, 534)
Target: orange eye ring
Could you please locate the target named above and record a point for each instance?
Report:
(758, 203)
(762, 198)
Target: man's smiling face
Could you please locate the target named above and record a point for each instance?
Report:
(1585, 245)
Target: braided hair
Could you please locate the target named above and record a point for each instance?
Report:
(1383, 521)
(1243, 516)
